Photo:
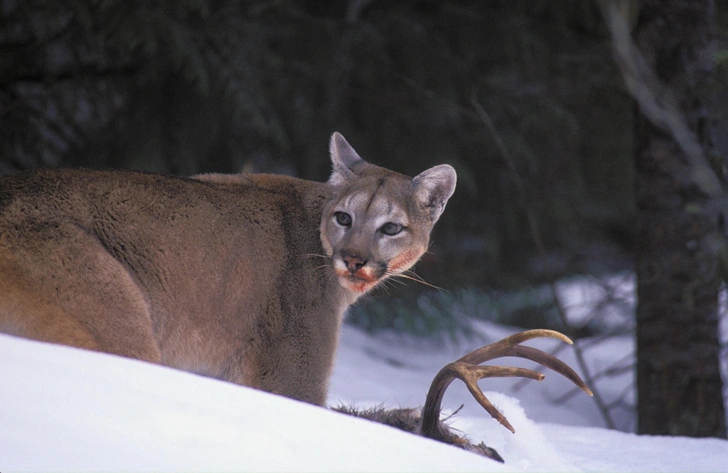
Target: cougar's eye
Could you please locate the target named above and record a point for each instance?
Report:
(343, 219)
(391, 228)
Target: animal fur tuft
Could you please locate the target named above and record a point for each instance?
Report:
(408, 420)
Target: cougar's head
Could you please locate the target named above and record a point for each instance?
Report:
(379, 222)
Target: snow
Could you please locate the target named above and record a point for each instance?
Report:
(67, 409)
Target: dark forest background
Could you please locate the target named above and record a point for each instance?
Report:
(186, 87)
(523, 97)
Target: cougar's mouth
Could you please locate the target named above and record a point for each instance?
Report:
(359, 282)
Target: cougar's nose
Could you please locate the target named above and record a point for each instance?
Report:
(353, 262)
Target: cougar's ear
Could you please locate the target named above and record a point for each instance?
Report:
(434, 187)
(346, 162)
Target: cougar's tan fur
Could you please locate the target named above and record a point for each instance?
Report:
(239, 277)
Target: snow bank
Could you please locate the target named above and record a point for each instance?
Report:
(68, 409)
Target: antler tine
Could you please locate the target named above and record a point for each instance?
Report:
(549, 361)
(468, 370)
(494, 350)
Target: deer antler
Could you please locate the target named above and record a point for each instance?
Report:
(469, 370)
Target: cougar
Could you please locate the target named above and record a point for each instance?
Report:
(240, 277)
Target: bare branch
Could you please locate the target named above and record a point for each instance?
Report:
(656, 100)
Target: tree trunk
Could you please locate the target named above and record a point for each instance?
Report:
(678, 370)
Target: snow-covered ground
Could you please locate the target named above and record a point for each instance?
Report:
(68, 409)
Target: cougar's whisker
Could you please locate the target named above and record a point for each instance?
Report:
(416, 279)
